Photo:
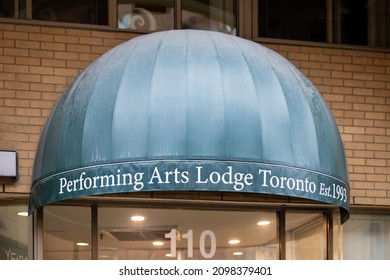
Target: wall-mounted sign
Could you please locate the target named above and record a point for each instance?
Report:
(8, 166)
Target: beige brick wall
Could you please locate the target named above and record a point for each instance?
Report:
(36, 65)
(356, 86)
(38, 62)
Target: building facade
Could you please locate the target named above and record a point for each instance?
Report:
(345, 54)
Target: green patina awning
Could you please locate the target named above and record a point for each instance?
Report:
(191, 110)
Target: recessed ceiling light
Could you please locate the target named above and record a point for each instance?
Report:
(22, 214)
(82, 244)
(137, 218)
(238, 253)
(158, 243)
(234, 241)
(168, 255)
(263, 223)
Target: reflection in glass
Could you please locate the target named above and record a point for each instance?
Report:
(193, 231)
(305, 236)
(13, 9)
(357, 22)
(7, 8)
(214, 15)
(294, 20)
(67, 233)
(367, 237)
(77, 11)
(362, 22)
(147, 15)
(13, 232)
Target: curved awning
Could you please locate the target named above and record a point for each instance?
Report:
(191, 110)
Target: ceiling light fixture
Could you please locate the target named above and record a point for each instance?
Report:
(137, 218)
(263, 223)
(234, 241)
(158, 243)
(22, 214)
(238, 253)
(82, 244)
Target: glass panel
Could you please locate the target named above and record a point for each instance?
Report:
(13, 232)
(296, 20)
(146, 15)
(367, 237)
(7, 8)
(66, 233)
(351, 22)
(198, 234)
(22, 9)
(357, 22)
(305, 236)
(362, 22)
(215, 15)
(77, 11)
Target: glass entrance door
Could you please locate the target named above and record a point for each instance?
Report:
(123, 231)
(130, 233)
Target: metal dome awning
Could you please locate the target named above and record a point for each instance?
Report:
(191, 110)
